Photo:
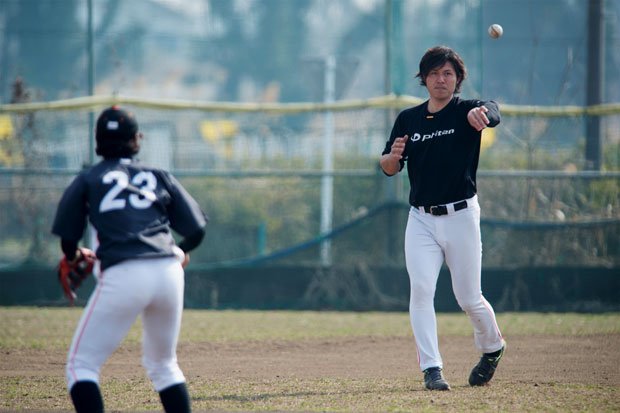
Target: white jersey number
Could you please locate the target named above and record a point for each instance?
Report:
(144, 183)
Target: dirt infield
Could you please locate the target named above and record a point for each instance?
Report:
(542, 359)
(530, 362)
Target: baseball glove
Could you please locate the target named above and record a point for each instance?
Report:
(72, 273)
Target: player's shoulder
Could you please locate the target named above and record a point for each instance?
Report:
(413, 111)
(142, 167)
(132, 165)
(471, 103)
(462, 106)
(87, 173)
(162, 174)
(128, 166)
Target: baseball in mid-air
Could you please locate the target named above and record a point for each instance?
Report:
(496, 31)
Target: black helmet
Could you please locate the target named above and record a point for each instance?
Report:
(115, 133)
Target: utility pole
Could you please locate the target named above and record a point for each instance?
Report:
(394, 84)
(327, 179)
(91, 240)
(595, 79)
(91, 81)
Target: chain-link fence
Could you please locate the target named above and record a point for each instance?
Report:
(262, 176)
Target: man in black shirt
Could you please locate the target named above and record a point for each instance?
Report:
(440, 142)
(133, 209)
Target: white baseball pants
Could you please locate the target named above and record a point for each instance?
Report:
(455, 238)
(152, 288)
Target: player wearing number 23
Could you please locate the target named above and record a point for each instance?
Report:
(440, 142)
(133, 208)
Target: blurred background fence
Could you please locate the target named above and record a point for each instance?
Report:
(279, 210)
(274, 114)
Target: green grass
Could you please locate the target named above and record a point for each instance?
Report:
(43, 331)
(31, 327)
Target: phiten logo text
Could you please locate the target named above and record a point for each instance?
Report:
(416, 136)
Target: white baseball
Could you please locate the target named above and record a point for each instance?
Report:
(496, 31)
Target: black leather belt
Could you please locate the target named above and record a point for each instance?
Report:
(443, 209)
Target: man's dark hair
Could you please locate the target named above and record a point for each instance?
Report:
(117, 134)
(435, 58)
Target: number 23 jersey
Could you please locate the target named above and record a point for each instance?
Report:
(131, 206)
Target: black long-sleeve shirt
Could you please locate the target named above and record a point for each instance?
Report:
(442, 151)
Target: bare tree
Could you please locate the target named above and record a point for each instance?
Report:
(25, 191)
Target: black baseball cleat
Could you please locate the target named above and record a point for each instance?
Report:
(483, 372)
(433, 379)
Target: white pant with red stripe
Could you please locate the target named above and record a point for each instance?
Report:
(150, 288)
(455, 238)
